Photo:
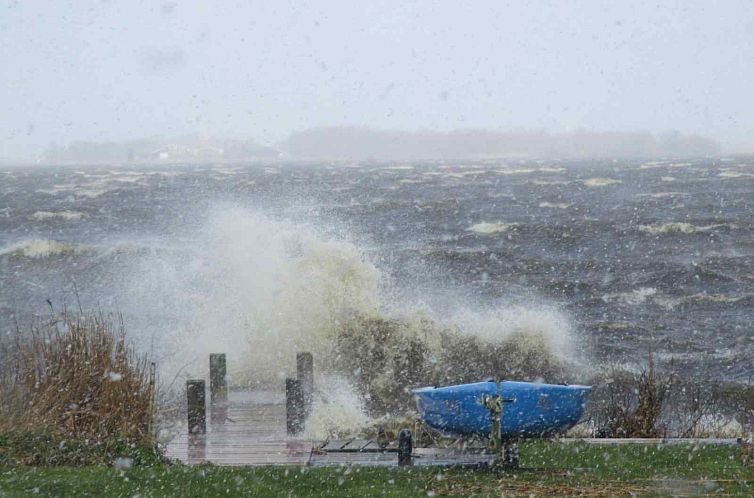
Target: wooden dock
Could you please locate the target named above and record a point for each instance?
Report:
(253, 432)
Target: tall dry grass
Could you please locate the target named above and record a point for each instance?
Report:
(77, 376)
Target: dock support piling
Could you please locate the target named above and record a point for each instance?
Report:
(405, 448)
(197, 410)
(305, 375)
(218, 385)
(294, 406)
(218, 388)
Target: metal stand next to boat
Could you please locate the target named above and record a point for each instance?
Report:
(507, 453)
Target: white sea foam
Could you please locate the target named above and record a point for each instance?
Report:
(260, 288)
(601, 182)
(550, 182)
(554, 205)
(516, 171)
(682, 227)
(542, 324)
(633, 297)
(488, 228)
(57, 189)
(673, 302)
(337, 410)
(63, 215)
(667, 178)
(734, 174)
(653, 164)
(41, 248)
(662, 195)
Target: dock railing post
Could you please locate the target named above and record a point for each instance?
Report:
(305, 375)
(196, 404)
(218, 388)
(294, 409)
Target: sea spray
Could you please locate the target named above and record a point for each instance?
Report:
(261, 290)
(387, 356)
(253, 287)
(338, 411)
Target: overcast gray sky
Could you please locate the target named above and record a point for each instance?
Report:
(118, 70)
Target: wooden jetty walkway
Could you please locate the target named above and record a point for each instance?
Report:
(253, 432)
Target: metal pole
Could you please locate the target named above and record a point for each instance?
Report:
(196, 402)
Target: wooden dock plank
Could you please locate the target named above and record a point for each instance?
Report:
(252, 433)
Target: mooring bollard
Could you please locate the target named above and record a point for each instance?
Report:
(197, 414)
(294, 406)
(511, 458)
(405, 447)
(305, 375)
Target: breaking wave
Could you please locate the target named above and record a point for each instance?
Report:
(262, 290)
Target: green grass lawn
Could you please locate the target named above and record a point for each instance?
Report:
(548, 469)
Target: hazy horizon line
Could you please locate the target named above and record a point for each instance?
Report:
(349, 142)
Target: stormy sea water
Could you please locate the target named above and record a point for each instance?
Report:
(607, 260)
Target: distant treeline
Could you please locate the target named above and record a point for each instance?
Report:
(155, 149)
(362, 143)
(366, 143)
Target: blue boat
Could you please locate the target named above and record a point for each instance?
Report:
(530, 409)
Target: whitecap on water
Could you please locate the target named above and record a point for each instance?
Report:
(734, 174)
(601, 182)
(41, 248)
(488, 228)
(633, 297)
(554, 205)
(682, 227)
(63, 215)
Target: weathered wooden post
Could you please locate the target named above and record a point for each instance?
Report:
(305, 375)
(218, 388)
(294, 406)
(197, 414)
(218, 385)
(405, 448)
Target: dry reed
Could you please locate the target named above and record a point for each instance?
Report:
(77, 376)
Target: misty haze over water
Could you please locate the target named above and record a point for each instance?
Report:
(532, 75)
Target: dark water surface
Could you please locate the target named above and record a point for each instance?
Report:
(640, 255)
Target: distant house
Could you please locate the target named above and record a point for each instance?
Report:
(183, 152)
(163, 153)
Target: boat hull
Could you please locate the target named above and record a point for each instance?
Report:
(533, 410)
